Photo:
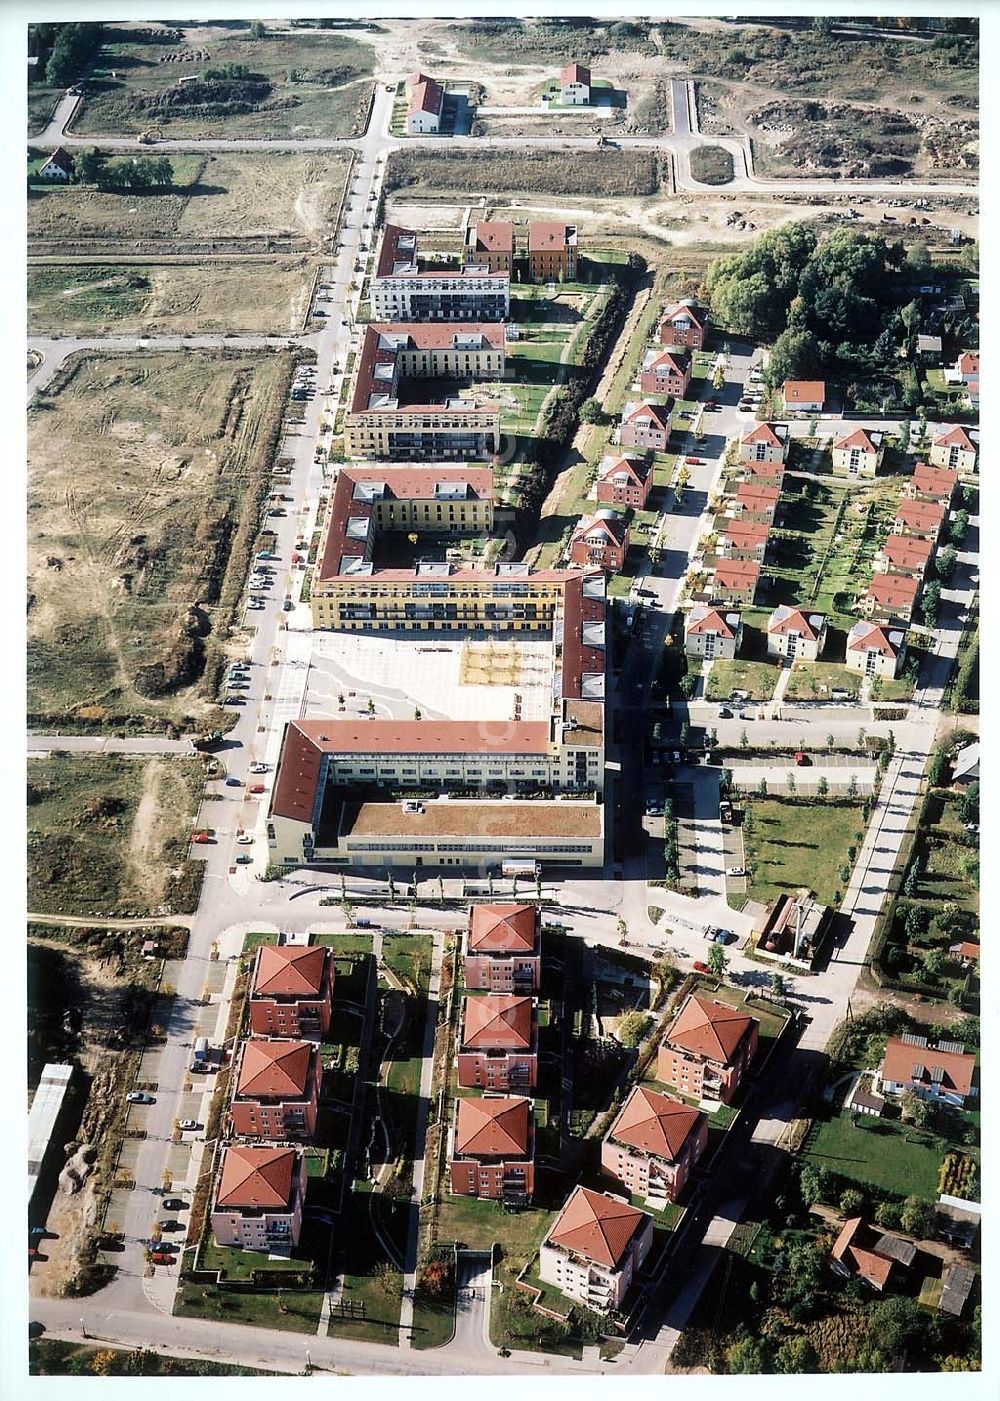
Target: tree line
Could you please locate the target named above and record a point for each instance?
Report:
(92, 167)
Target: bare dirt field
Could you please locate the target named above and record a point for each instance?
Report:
(146, 474)
(266, 296)
(222, 196)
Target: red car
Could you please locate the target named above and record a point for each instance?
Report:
(201, 838)
(160, 1257)
(699, 967)
(256, 788)
(693, 461)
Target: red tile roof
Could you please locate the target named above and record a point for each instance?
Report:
(493, 236)
(290, 970)
(655, 1123)
(497, 1020)
(934, 481)
(901, 1059)
(785, 619)
(666, 362)
(968, 362)
(503, 929)
(745, 533)
(61, 157)
(955, 437)
(769, 471)
(256, 1177)
(763, 433)
(893, 590)
(907, 552)
(869, 637)
(596, 1226)
(711, 621)
(708, 1029)
(858, 439)
(426, 95)
(735, 573)
(921, 515)
(637, 469)
(544, 236)
(575, 73)
(420, 335)
(614, 527)
(492, 1128)
(684, 309)
(803, 391)
(754, 497)
(659, 413)
(274, 1068)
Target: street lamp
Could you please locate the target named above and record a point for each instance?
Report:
(83, 1327)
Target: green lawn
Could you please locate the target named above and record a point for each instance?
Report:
(879, 1153)
(793, 844)
(433, 1324)
(757, 678)
(409, 957)
(815, 681)
(297, 1313)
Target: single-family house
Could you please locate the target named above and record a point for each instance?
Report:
(804, 395)
(953, 448)
(794, 634)
(665, 372)
(574, 85)
(601, 540)
(756, 501)
(492, 1149)
(711, 633)
(498, 1049)
(258, 1199)
(922, 519)
(277, 1089)
(732, 581)
(761, 473)
(891, 597)
(932, 483)
(503, 949)
(653, 1145)
(743, 539)
(707, 1049)
(904, 554)
(646, 425)
(929, 349)
(859, 453)
(291, 991)
(967, 367)
(966, 952)
(965, 768)
(624, 481)
(941, 1073)
(878, 1258)
(683, 323)
(875, 651)
(59, 166)
(766, 442)
(552, 252)
(595, 1249)
(423, 116)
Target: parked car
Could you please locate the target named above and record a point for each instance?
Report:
(259, 768)
(801, 758)
(722, 936)
(201, 838)
(139, 1097)
(233, 782)
(161, 1257)
(244, 859)
(288, 605)
(244, 839)
(186, 1125)
(725, 713)
(175, 1204)
(171, 1225)
(700, 967)
(736, 871)
(747, 715)
(256, 788)
(694, 461)
(235, 700)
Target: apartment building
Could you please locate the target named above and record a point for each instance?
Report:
(739, 539)
(600, 541)
(552, 252)
(791, 633)
(498, 1044)
(875, 651)
(859, 453)
(502, 951)
(384, 418)
(291, 991)
(707, 1049)
(624, 481)
(490, 245)
(954, 448)
(595, 1249)
(684, 324)
(646, 425)
(665, 372)
(756, 502)
(404, 290)
(711, 632)
(423, 116)
(767, 442)
(491, 1149)
(277, 1089)
(259, 1197)
(653, 1145)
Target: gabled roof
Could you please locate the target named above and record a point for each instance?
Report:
(803, 391)
(763, 433)
(678, 309)
(256, 1177)
(497, 1020)
(907, 552)
(869, 1264)
(659, 413)
(596, 1226)
(664, 362)
(274, 1068)
(612, 465)
(614, 527)
(502, 929)
(735, 573)
(575, 73)
(426, 95)
(655, 1123)
(545, 235)
(901, 1060)
(893, 590)
(786, 619)
(290, 970)
(921, 515)
(955, 437)
(705, 620)
(60, 157)
(869, 637)
(708, 1029)
(859, 439)
(934, 481)
(968, 362)
(757, 496)
(492, 1128)
(743, 532)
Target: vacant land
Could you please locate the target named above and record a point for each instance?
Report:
(42, 103)
(880, 1154)
(226, 196)
(757, 679)
(308, 84)
(146, 477)
(793, 844)
(711, 165)
(431, 174)
(109, 834)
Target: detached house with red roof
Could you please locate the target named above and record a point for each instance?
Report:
(595, 1249)
(258, 1199)
(653, 1145)
(683, 323)
(904, 554)
(745, 540)
(277, 1089)
(503, 949)
(552, 252)
(423, 117)
(492, 1149)
(932, 483)
(953, 448)
(712, 632)
(624, 481)
(665, 372)
(707, 1049)
(875, 650)
(767, 442)
(923, 519)
(859, 454)
(646, 425)
(967, 369)
(879, 1258)
(498, 1049)
(891, 597)
(291, 991)
(795, 634)
(804, 395)
(601, 540)
(732, 581)
(574, 85)
(942, 1073)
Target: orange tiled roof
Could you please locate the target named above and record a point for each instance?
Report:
(763, 433)
(712, 620)
(290, 970)
(901, 1059)
(254, 1177)
(709, 1029)
(492, 1128)
(497, 1020)
(596, 1226)
(655, 1123)
(273, 1068)
(502, 929)
(955, 437)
